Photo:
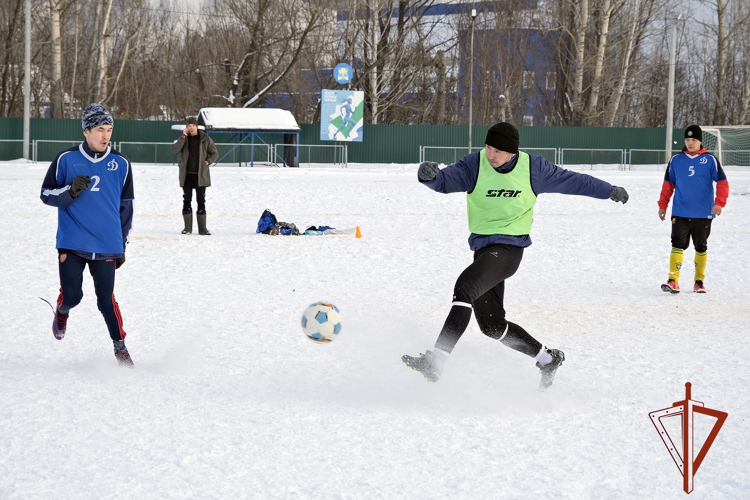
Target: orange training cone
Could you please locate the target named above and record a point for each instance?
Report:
(358, 234)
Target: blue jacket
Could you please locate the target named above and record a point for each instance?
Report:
(96, 224)
(692, 177)
(545, 178)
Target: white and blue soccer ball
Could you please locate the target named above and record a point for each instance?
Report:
(321, 322)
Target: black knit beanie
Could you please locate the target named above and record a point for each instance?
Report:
(694, 132)
(190, 120)
(503, 137)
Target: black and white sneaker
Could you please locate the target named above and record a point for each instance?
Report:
(427, 364)
(548, 370)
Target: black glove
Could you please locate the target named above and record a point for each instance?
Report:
(80, 183)
(427, 170)
(119, 261)
(619, 194)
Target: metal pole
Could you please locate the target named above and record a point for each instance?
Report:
(471, 76)
(27, 80)
(670, 89)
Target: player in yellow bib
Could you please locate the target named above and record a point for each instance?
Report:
(502, 185)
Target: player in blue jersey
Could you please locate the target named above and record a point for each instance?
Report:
(690, 176)
(92, 187)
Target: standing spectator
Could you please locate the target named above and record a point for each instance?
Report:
(502, 185)
(690, 176)
(92, 187)
(197, 151)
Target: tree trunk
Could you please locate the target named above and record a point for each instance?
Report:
(75, 63)
(745, 110)
(374, 91)
(440, 97)
(101, 81)
(719, 111)
(580, 53)
(6, 102)
(56, 88)
(614, 104)
(607, 9)
(89, 89)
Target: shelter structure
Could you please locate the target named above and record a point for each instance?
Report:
(245, 126)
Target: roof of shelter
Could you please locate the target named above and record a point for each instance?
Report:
(248, 119)
(180, 128)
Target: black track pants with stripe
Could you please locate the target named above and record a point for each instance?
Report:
(481, 287)
(71, 268)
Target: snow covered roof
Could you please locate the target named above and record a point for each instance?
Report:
(255, 119)
(180, 128)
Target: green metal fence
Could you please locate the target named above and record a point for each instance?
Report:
(381, 144)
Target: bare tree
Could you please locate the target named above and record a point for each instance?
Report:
(56, 88)
(583, 23)
(12, 39)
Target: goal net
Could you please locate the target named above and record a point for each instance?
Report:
(731, 145)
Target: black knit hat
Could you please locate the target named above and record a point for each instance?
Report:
(694, 132)
(190, 120)
(503, 137)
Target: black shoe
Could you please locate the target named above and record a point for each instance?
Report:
(426, 364)
(123, 357)
(548, 370)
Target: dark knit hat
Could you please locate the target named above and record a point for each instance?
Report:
(694, 132)
(190, 120)
(94, 115)
(503, 137)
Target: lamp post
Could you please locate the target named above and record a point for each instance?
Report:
(471, 76)
(26, 78)
(670, 88)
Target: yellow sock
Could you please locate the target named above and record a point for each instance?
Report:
(700, 265)
(675, 263)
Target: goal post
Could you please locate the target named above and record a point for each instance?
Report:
(730, 144)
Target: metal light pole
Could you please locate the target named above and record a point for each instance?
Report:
(471, 77)
(27, 80)
(670, 88)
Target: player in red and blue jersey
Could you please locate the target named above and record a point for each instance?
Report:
(690, 176)
(92, 187)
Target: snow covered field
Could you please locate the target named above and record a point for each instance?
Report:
(229, 400)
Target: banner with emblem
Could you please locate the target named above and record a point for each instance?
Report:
(341, 115)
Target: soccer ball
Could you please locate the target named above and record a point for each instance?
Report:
(321, 322)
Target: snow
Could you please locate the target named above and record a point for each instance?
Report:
(256, 119)
(228, 399)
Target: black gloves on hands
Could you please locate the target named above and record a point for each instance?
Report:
(119, 261)
(80, 183)
(427, 170)
(619, 194)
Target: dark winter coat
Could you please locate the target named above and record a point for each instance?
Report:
(208, 153)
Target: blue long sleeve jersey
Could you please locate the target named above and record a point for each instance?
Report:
(97, 223)
(545, 178)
